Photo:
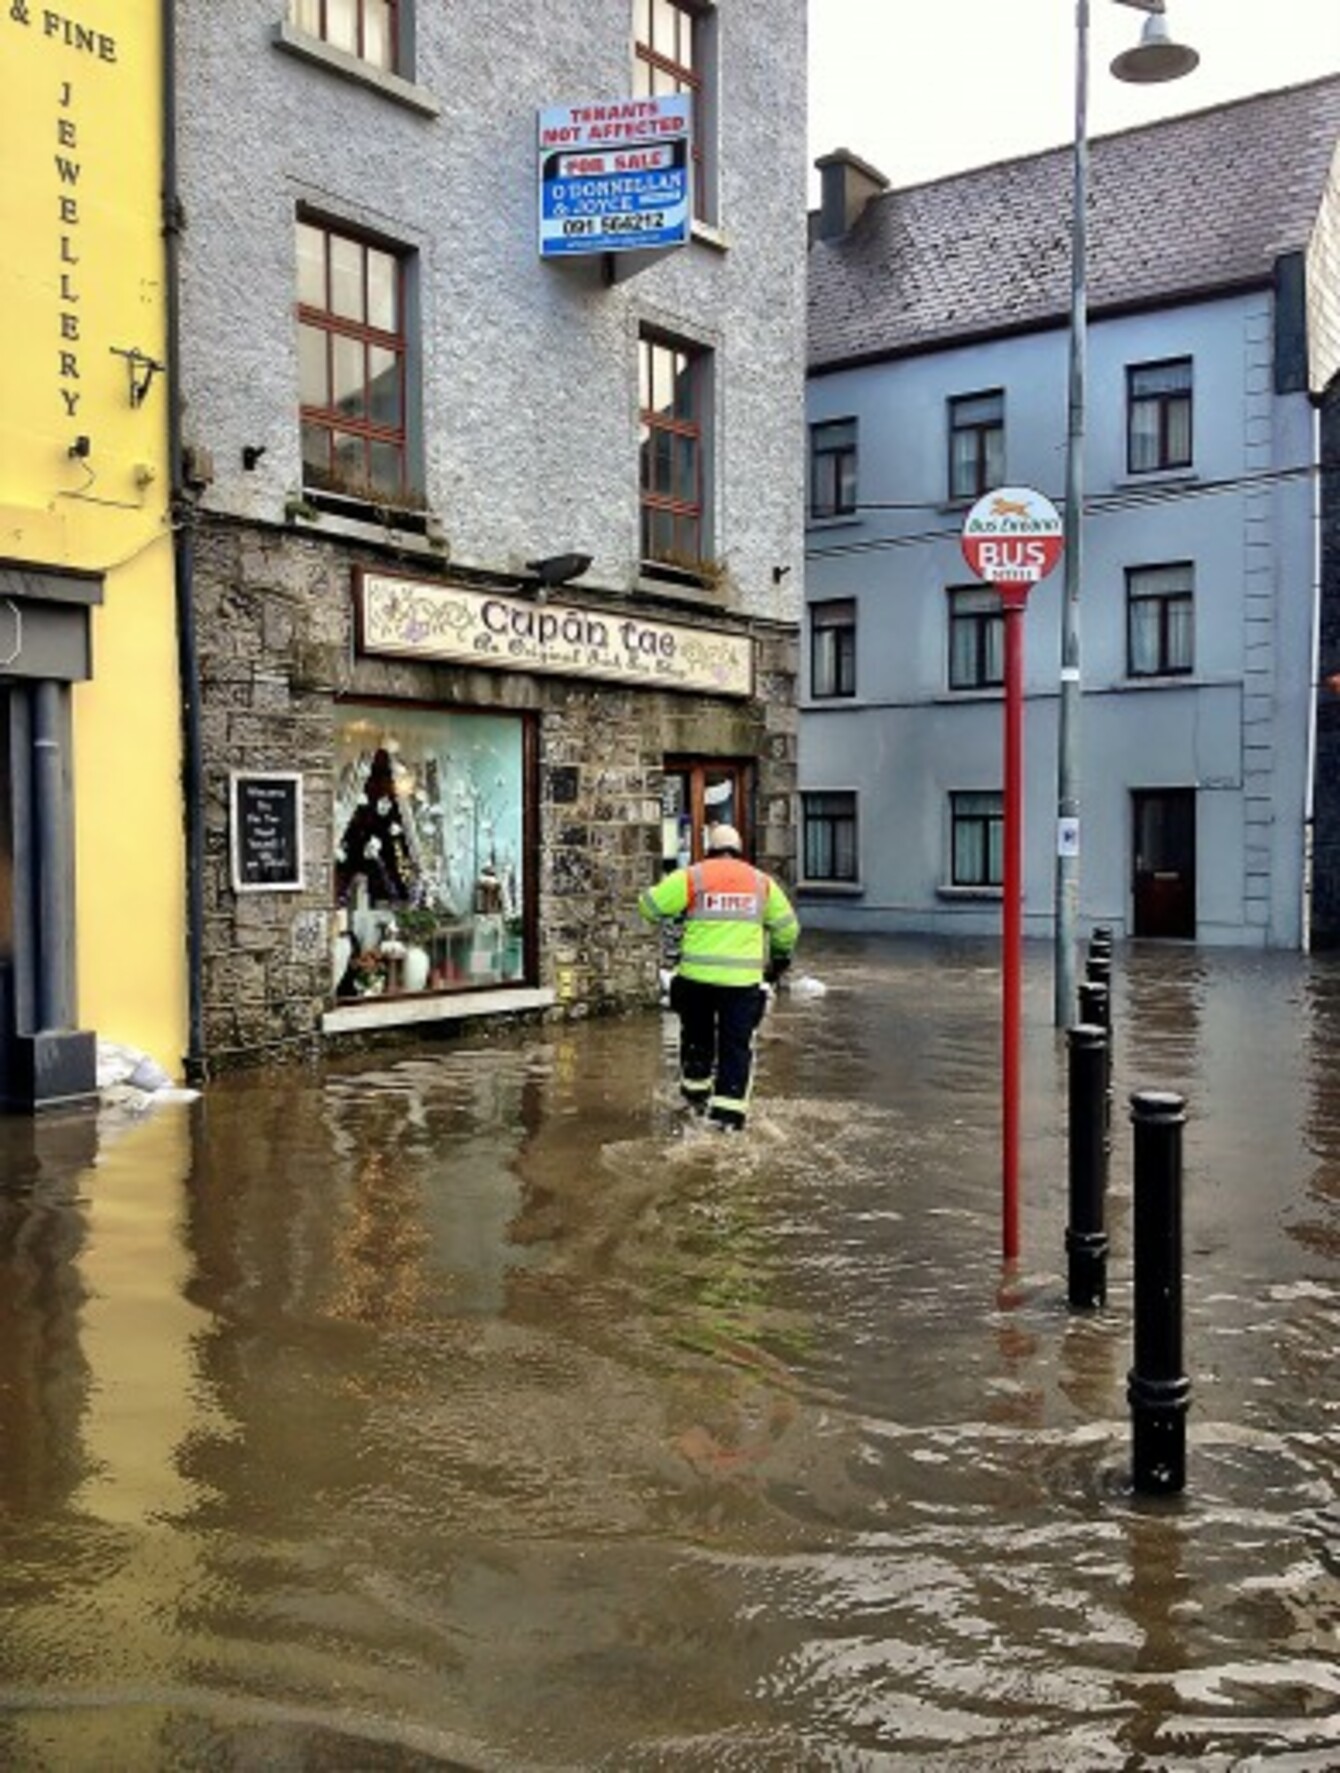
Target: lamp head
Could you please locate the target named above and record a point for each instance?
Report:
(557, 569)
(1155, 57)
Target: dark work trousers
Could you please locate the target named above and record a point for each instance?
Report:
(716, 1042)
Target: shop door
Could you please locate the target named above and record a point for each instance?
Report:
(699, 793)
(1164, 850)
(7, 993)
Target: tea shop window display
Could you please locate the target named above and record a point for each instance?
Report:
(426, 869)
(376, 871)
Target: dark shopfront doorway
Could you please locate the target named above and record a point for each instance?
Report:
(698, 793)
(1164, 862)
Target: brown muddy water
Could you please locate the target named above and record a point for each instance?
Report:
(459, 1409)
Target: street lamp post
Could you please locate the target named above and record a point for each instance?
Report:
(1155, 58)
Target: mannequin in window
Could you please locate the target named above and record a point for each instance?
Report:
(374, 844)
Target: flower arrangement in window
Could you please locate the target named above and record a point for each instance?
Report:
(418, 924)
(368, 973)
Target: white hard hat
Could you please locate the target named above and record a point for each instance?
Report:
(722, 837)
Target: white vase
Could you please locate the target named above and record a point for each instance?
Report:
(340, 950)
(415, 968)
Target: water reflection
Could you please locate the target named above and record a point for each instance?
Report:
(461, 1409)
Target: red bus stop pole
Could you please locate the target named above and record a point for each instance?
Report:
(1012, 599)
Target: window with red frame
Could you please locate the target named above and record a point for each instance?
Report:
(351, 365)
(670, 57)
(368, 29)
(671, 380)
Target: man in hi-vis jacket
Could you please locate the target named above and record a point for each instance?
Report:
(738, 930)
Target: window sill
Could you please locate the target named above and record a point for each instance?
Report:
(338, 61)
(676, 590)
(404, 1012)
(986, 894)
(708, 234)
(414, 532)
(1146, 477)
(832, 889)
(839, 520)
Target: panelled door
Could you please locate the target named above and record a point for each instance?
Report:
(1163, 851)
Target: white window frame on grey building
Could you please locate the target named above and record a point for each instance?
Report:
(1160, 620)
(976, 443)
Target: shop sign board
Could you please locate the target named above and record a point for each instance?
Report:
(265, 831)
(424, 619)
(615, 176)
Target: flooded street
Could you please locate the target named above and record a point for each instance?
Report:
(458, 1407)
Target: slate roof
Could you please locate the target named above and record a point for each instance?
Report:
(1187, 205)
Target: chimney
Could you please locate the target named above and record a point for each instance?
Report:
(847, 183)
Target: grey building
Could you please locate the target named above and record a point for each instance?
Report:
(937, 371)
(497, 554)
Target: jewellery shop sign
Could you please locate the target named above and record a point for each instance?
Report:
(420, 619)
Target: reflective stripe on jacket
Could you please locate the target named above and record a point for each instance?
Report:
(734, 915)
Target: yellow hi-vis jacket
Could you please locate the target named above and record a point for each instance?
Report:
(735, 918)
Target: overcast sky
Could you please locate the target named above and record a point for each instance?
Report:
(924, 87)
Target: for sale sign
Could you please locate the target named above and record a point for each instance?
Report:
(615, 175)
(1012, 536)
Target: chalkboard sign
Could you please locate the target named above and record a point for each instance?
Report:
(266, 831)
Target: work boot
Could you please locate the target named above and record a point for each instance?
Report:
(726, 1120)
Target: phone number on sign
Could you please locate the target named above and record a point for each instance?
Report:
(616, 224)
(634, 224)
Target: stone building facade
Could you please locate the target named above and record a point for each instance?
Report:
(278, 657)
(496, 559)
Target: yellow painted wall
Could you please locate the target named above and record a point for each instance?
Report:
(82, 279)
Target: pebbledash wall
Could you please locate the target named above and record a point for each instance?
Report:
(523, 801)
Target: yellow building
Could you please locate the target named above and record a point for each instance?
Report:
(92, 889)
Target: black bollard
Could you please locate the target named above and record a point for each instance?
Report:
(1095, 1008)
(1098, 967)
(1094, 1005)
(1100, 938)
(1158, 1391)
(1086, 1234)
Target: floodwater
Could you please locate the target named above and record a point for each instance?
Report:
(459, 1408)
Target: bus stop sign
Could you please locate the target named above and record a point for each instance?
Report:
(1012, 537)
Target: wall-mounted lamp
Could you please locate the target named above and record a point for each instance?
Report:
(251, 455)
(558, 569)
(80, 449)
(551, 570)
(779, 573)
(140, 369)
